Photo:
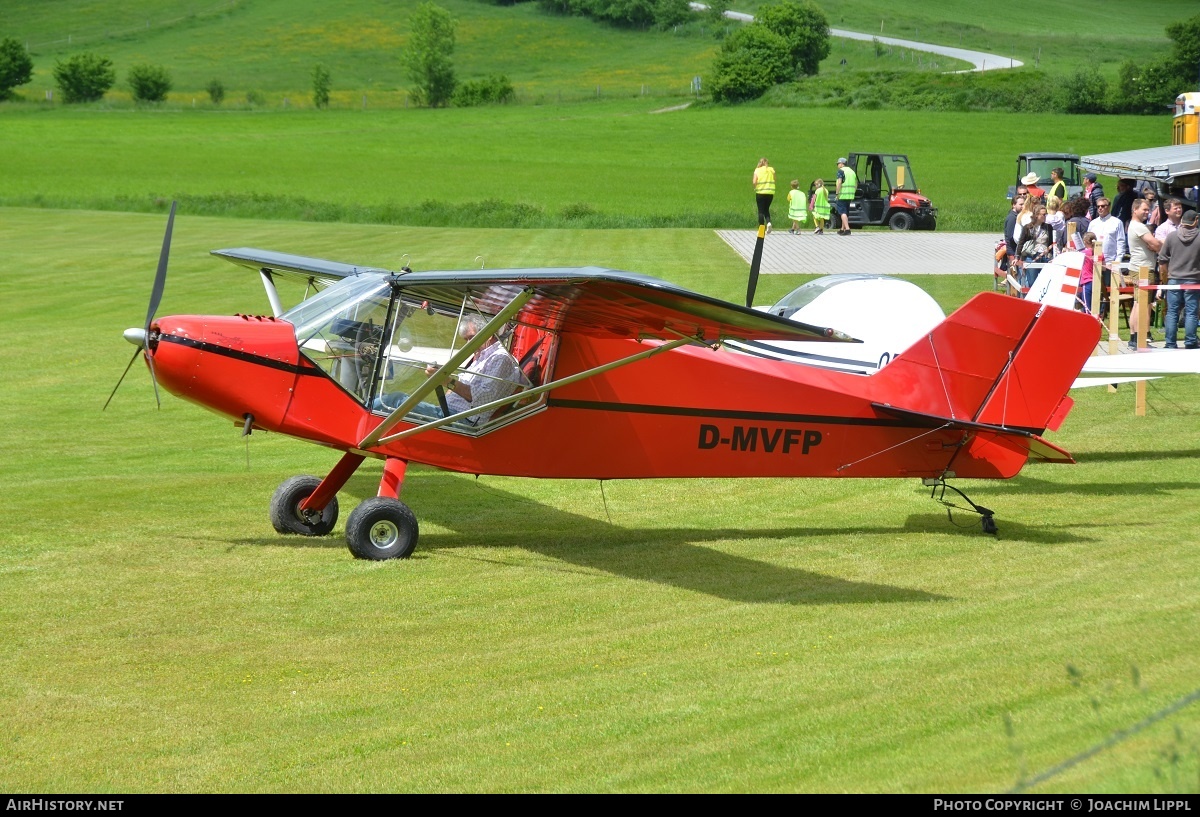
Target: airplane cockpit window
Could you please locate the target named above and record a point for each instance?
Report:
(382, 345)
(342, 328)
(805, 294)
(425, 337)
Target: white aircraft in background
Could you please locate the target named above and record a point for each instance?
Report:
(889, 315)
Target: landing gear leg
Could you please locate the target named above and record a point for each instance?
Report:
(383, 527)
(938, 494)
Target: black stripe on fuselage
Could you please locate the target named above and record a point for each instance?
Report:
(731, 414)
(225, 351)
(915, 420)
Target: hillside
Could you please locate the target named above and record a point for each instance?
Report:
(271, 46)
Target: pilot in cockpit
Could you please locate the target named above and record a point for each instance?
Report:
(491, 374)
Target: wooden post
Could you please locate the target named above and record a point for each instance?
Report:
(1143, 314)
(1097, 283)
(1114, 314)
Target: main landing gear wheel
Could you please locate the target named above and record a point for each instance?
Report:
(382, 528)
(286, 515)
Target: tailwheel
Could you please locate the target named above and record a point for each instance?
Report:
(286, 515)
(382, 528)
(940, 486)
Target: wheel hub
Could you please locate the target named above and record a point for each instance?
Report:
(384, 534)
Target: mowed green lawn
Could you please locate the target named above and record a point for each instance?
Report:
(715, 635)
(614, 163)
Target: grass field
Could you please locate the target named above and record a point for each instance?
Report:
(603, 164)
(717, 635)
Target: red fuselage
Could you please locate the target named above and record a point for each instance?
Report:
(688, 412)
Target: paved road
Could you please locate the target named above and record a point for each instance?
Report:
(874, 251)
(980, 60)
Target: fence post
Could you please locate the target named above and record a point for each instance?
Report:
(1114, 314)
(1143, 314)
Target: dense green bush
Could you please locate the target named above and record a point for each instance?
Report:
(84, 77)
(1085, 91)
(16, 66)
(805, 29)
(322, 82)
(750, 61)
(1019, 91)
(641, 14)
(496, 89)
(148, 83)
(216, 91)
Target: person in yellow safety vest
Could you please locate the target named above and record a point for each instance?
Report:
(1057, 186)
(847, 185)
(764, 191)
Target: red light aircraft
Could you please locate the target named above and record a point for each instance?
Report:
(609, 375)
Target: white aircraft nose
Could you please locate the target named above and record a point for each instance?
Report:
(135, 336)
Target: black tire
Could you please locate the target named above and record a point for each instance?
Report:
(900, 220)
(285, 508)
(382, 528)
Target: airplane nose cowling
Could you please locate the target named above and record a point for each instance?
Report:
(232, 365)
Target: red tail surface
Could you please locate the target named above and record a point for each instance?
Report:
(998, 368)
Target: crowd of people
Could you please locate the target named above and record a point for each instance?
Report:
(1121, 235)
(820, 201)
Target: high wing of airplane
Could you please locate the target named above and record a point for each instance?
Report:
(887, 314)
(601, 374)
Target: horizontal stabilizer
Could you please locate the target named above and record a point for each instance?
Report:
(1142, 365)
(1013, 439)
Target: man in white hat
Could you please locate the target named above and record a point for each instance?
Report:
(1030, 181)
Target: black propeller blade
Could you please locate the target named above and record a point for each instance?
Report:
(139, 338)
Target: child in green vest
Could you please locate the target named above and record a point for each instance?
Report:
(820, 206)
(797, 207)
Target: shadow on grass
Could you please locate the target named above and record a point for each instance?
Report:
(1009, 529)
(1028, 485)
(1085, 457)
(486, 516)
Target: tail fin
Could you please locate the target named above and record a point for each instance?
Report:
(1058, 282)
(999, 367)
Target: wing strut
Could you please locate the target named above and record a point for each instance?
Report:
(521, 395)
(272, 293)
(443, 374)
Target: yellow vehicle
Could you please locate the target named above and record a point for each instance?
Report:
(1184, 128)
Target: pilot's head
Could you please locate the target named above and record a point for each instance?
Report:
(471, 326)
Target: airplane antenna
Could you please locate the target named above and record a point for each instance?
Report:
(482, 261)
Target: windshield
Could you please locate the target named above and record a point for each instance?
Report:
(341, 330)
(805, 294)
(899, 172)
(1042, 167)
